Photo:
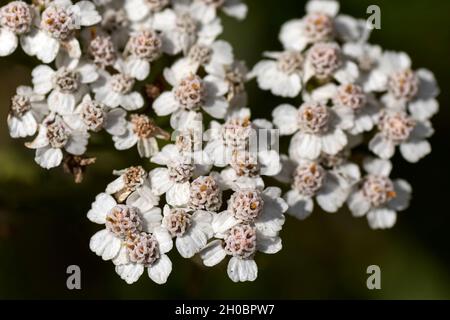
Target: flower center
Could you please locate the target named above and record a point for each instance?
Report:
(123, 221)
(20, 105)
(240, 241)
(404, 84)
(205, 194)
(103, 51)
(188, 142)
(121, 83)
(66, 80)
(143, 248)
(236, 132)
(246, 205)
(16, 16)
(57, 135)
(325, 59)
(318, 27)
(396, 126)
(308, 179)
(190, 92)
(313, 117)
(378, 190)
(200, 53)
(93, 115)
(134, 177)
(181, 172)
(236, 76)
(245, 164)
(144, 45)
(290, 62)
(177, 222)
(58, 22)
(351, 96)
(143, 126)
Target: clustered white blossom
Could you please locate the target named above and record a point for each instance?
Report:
(206, 191)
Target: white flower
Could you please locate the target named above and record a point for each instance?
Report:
(67, 85)
(378, 197)
(16, 19)
(310, 179)
(192, 93)
(398, 128)
(191, 230)
(27, 110)
(181, 29)
(143, 131)
(174, 179)
(367, 57)
(283, 75)
(91, 115)
(247, 168)
(325, 61)
(57, 26)
(320, 128)
(237, 133)
(142, 48)
(133, 186)
(365, 106)
(213, 58)
(116, 90)
(415, 89)
(251, 223)
(133, 239)
(53, 136)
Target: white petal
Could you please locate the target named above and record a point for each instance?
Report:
(381, 218)
(216, 107)
(62, 103)
(116, 185)
(423, 109)
(328, 7)
(235, 9)
(164, 239)
(165, 104)
(48, 157)
(414, 150)
(143, 198)
(191, 242)
(240, 270)
(125, 141)
(88, 72)
(333, 142)
(292, 35)
(77, 143)
(136, 9)
(213, 253)
(285, 119)
(167, 154)
(132, 101)
(179, 194)
(300, 206)
(223, 221)
(42, 79)
(147, 147)
(269, 245)
(23, 126)
(305, 146)
(152, 219)
(88, 14)
(46, 47)
(8, 42)
(138, 68)
(382, 147)
(378, 166)
(333, 194)
(130, 272)
(402, 198)
(105, 244)
(160, 180)
(116, 123)
(160, 271)
(358, 204)
(100, 207)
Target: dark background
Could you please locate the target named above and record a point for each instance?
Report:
(44, 229)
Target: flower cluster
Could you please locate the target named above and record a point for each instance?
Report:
(354, 95)
(207, 191)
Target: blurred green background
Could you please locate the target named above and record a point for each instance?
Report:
(44, 229)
